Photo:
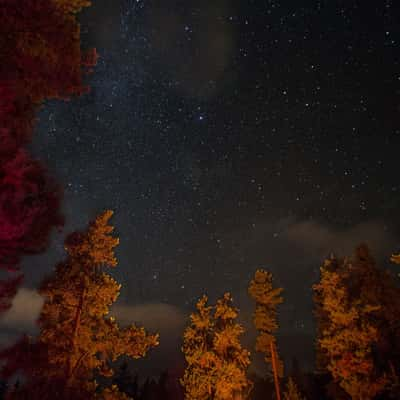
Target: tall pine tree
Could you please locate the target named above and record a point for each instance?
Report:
(77, 338)
(267, 299)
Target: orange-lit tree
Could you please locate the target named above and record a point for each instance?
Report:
(292, 392)
(395, 258)
(77, 337)
(350, 330)
(267, 299)
(216, 362)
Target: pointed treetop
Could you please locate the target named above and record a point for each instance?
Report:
(78, 340)
(96, 245)
(265, 316)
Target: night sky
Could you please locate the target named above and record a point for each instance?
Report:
(230, 135)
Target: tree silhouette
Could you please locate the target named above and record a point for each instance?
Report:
(292, 392)
(216, 361)
(77, 338)
(126, 381)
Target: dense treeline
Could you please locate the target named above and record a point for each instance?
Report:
(357, 305)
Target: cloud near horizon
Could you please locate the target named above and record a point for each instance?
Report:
(165, 319)
(320, 240)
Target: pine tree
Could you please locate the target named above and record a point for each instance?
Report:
(216, 361)
(349, 307)
(231, 377)
(292, 392)
(265, 317)
(77, 337)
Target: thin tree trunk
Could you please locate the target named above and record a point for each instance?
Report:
(77, 323)
(274, 369)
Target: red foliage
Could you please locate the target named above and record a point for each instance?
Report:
(8, 289)
(41, 59)
(43, 46)
(29, 208)
(25, 357)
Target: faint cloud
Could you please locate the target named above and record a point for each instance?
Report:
(24, 312)
(163, 318)
(194, 44)
(320, 240)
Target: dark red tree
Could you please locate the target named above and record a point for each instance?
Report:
(41, 59)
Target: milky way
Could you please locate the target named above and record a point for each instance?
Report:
(230, 135)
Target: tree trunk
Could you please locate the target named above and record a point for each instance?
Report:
(77, 323)
(274, 369)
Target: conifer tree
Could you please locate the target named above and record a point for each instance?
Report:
(350, 330)
(216, 362)
(197, 348)
(292, 392)
(265, 317)
(77, 337)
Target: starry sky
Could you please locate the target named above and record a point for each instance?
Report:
(230, 135)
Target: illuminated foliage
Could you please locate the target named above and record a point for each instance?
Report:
(41, 46)
(29, 208)
(395, 258)
(292, 392)
(216, 362)
(351, 313)
(265, 317)
(77, 337)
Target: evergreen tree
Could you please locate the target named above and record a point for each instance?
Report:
(352, 307)
(265, 317)
(216, 361)
(77, 337)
